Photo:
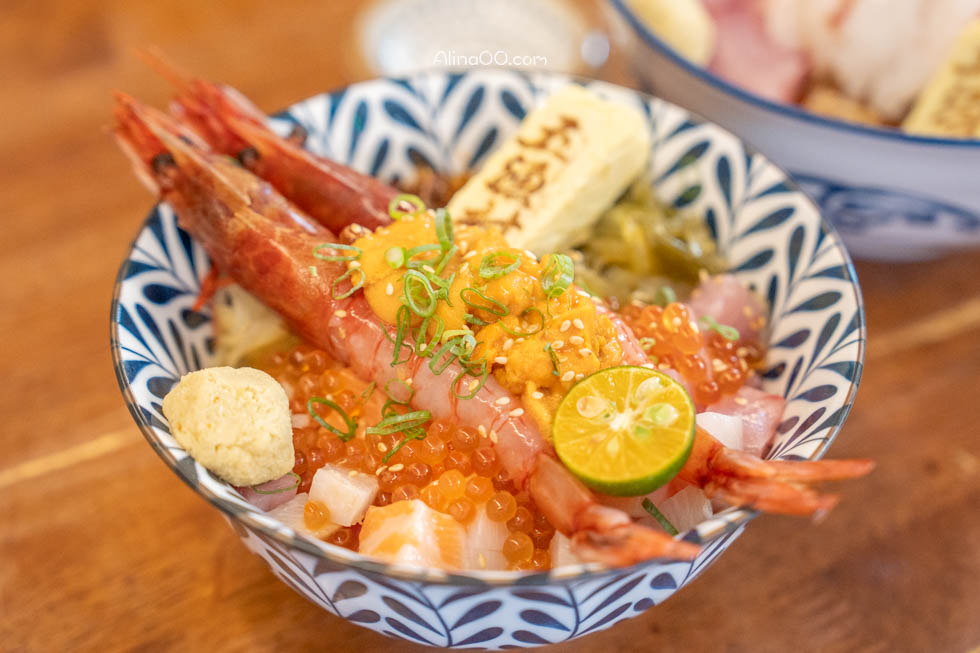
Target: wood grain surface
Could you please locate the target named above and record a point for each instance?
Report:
(102, 548)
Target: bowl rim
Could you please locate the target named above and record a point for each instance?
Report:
(784, 109)
(735, 516)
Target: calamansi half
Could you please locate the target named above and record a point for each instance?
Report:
(625, 430)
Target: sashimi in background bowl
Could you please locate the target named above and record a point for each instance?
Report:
(769, 230)
(891, 195)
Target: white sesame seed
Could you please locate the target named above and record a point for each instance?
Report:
(352, 473)
(517, 412)
(579, 376)
(520, 340)
(340, 313)
(585, 351)
(354, 264)
(578, 341)
(508, 344)
(503, 401)
(717, 365)
(390, 289)
(470, 254)
(741, 401)
(382, 447)
(493, 437)
(380, 470)
(676, 322)
(579, 324)
(565, 326)
(429, 269)
(482, 430)
(742, 352)
(557, 344)
(568, 376)
(531, 254)
(537, 394)
(500, 360)
(473, 384)
(396, 468)
(408, 381)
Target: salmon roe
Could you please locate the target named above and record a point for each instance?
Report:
(713, 365)
(454, 470)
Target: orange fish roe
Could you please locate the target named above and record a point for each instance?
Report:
(454, 470)
(711, 364)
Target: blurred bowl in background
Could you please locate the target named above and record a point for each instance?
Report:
(892, 195)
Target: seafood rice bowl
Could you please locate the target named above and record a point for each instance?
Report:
(507, 423)
(825, 88)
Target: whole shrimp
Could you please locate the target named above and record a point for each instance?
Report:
(273, 260)
(330, 193)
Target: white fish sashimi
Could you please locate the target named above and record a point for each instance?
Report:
(727, 429)
(686, 508)
(346, 494)
(292, 514)
(760, 413)
(561, 552)
(484, 542)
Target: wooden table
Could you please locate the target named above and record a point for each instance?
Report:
(102, 548)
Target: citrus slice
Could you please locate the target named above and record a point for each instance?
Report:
(625, 430)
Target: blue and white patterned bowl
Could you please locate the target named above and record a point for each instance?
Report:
(892, 196)
(770, 231)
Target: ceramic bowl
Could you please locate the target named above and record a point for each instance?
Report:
(771, 232)
(891, 195)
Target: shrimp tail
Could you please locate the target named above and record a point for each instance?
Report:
(776, 486)
(598, 533)
(608, 536)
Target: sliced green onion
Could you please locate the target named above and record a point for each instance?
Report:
(524, 334)
(482, 380)
(351, 424)
(395, 206)
(726, 332)
(442, 285)
(416, 433)
(554, 358)
(647, 343)
(664, 295)
(446, 258)
(449, 334)
(659, 516)
(393, 398)
(368, 390)
(337, 257)
(420, 249)
(494, 306)
(490, 268)
(289, 488)
(395, 257)
(396, 423)
(403, 319)
(424, 346)
(444, 229)
(354, 286)
(416, 282)
(558, 275)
